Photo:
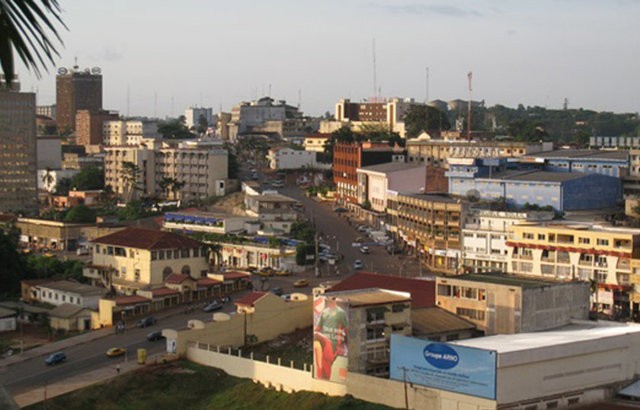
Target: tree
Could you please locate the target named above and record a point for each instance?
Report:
(176, 186)
(26, 27)
(63, 186)
(80, 214)
(131, 177)
(415, 120)
(47, 178)
(232, 165)
(165, 184)
(175, 129)
(13, 267)
(88, 179)
(203, 124)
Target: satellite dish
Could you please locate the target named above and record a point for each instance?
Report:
(96, 70)
(62, 71)
(473, 195)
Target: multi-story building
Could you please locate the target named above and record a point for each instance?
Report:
(207, 222)
(585, 252)
(432, 225)
(18, 172)
(352, 331)
(192, 116)
(64, 291)
(49, 152)
(89, 125)
(389, 113)
(293, 130)
(196, 169)
(289, 158)
(255, 113)
(614, 142)
(76, 90)
(258, 255)
(275, 212)
(47, 110)
(484, 237)
(611, 163)
(498, 303)
(136, 258)
(437, 152)
(348, 157)
(128, 132)
(316, 142)
(487, 179)
(374, 181)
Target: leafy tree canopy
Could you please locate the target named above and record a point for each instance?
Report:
(80, 214)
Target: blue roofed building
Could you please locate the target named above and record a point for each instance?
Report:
(493, 179)
(613, 163)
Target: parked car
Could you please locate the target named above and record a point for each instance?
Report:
(213, 306)
(340, 210)
(277, 291)
(358, 264)
(365, 250)
(116, 351)
(147, 321)
(82, 251)
(282, 273)
(287, 297)
(301, 283)
(154, 336)
(55, 358)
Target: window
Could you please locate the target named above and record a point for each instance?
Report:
(169, 254)
(64, 298)
(573, 401)
(131, 253)
(470, 313)
(137, 275)
(542, 237)
(97, 248)
(602, 242)
(398, 308)
(176, 254)
(154, 255)
(375, 333)
(184, 253)
(109, 250)
(527, 235)
(444, 290)
(160, 255)
(584, 241)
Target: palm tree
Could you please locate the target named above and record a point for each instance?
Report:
(47, 178)
(176, 186)
(130, 176)
(164, 184)
(26, 27)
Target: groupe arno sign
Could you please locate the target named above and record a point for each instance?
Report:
(441, 356)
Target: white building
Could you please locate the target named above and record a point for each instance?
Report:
(276, 212)
(288, 158)
(374, 181)
(128, 132)
(192, 116)
(207, 222)
(316, 142)
(246, 115)
(255, 255)
(49, 178)
(484, 237)
(61, 292)
(7, 320)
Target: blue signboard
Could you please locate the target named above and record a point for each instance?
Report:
(444, 366)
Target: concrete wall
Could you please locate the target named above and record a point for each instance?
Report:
(594, 192)
(553, 306)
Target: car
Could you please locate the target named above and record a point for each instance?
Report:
(282, 273)
(340, 210)
(55, 358)
(116, 351)
(365, 250)
(154, 336)
(82, 251)
(363, 228)
(213, 306)
(358, 264)
(277, 291)
(147, 321)
(301, 283)
(287, 297)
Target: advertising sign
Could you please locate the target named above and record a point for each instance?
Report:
(330, 336)
(444, 366)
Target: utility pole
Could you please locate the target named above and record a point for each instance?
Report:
(426, 102)
(469, 76)
(244, 332)
(406, 393)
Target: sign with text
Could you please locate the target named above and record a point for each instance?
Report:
(330, 338)
(444, 366)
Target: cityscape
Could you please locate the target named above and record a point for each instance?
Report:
(360, 243)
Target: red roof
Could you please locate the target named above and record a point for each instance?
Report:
(130, 300)
(234, 275)
(159, 292)
(7, 217)
(148, 239)
(422, 291)
(250, 298)
(177, 278)
(206, 282)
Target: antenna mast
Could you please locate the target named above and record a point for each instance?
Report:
(426, 100)
(375, 79)
(469, 76)
(128, 100)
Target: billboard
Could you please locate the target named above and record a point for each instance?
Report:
(444, 366)
(330, 337)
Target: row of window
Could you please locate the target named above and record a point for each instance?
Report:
(54, 296)
(155, 255)
(462, 292)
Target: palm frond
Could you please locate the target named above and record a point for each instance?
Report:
(29, 28)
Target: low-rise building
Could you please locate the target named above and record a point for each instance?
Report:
(276, 212)
(258, 255)
(70, 317)
(288, 158)
(432, 225)
(568, 251)
(316, 142)
(498, 303)
(604, 162)
(352, 330)
(7, 320)
(207, 222)
(374, 181)
(64, 236)
(136, 258)
(89, 126)
(66, 292)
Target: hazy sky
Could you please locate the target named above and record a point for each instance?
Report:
(217, 53)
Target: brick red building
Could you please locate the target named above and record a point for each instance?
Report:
(76, 90)
(89, 126)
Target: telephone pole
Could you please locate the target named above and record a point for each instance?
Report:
(469, 76)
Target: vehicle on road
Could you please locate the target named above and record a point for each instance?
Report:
(267, 272)
(282, 273)
(116, 351)
(147, 321)
(213, 306)
(154, 336)
(301, 283)
(55, 358)
(277, 291)
(287, 297)
(82, 251)
(357, 264)
(340, 210)
(365, 250)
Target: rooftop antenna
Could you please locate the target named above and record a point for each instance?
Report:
(299, 97)
(426, 100)
(155, 104)
(470, 77)
(269, 91)
(128, 99)
(75, 65)
(375, 79)
(173, 107)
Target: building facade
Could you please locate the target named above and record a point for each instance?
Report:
(316, 142)
(18, 147)
(192, 116)
(64, 291)
(432, 226)
(128, 132)
(289, 158)
(374, 181)
(76, 90)
(389, 113)
(89, 125)
(207, 222)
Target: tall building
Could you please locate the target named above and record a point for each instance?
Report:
(362, 114)
(89, 125)
(130, 132)
(18, 173)
(192, 116)
(77, 90)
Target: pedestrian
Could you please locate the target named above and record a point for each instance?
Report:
(118, 369)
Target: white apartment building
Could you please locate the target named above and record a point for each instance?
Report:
(199, 167)
(315, 142)
(484, 237)
(374, 181)
(358, 115)
(246, 115)
(128, 132)
(192, 116)
(64, 291)
(288, 158)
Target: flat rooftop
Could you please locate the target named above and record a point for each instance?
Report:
(536, 176)
(73, 287)
(392, 167)
(500, 278)
(431, 197)
(367, 297)
(586, 154)
(271, 198)
(579, 331)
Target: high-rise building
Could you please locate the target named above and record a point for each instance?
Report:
(18, 174)
(89, 125)
(77, 90)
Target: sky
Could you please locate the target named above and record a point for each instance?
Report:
(169, 55)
